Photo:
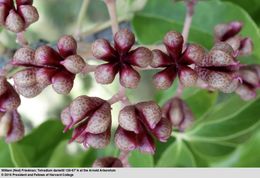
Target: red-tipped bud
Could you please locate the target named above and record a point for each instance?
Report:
(128, 120)
(108, 162)
(100, 120)
(14, 22)
(74, 64)
(178, 112)
(226, 31)
(173, 41)
(29, 14)
(141, 57)
(124, 40)
(10, 100)
(146, 144)
(62, 82)
(129, 77)
(246, 47)
(16, 129)
(46, 56)
(194, 53)
(23, 56)
(160, 59)
(67, 46)
(44, 76)
(246, 92)
(101, 49)
(235, 42)
(164, 79)
(25, 78)
(151, 113)
(105, 73)
(125, 140)
(249, 76)
(163, 130)
(187, 76)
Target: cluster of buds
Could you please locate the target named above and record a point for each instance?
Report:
(137, 124)
(45, 66)
(176, 62)
(229, 33)
(91, 119)
(11, 126)
(219, 68)
(120, 59)
(178, 112)
(17, 18)
(250, 76)
(108, 162)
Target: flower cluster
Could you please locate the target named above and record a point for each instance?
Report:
(45, 66)
(176, 62)
(137, 124)
(91, 117)
(17, 18)
(120, 59)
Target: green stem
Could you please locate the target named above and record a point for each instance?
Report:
(81, 16)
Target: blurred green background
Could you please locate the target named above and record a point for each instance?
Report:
(226, 130)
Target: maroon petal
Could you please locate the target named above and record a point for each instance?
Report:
(98, 141)
(67, 46)
(164, 79)
(226, 31)
(24, 2)
(62, 82)
(46, 56)
(246, 92)
(163, 130)
(187, 76)
(125, 140)
(146, 143)
(140, 57)
(160, 59)
(194, 53)
(129, 77)
(101, 49)
(29, 14)
(124, 40)
(246, 46)
(14, 22)
(24, 56)
(173, 41)
(105, 73)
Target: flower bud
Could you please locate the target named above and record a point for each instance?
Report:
(74, 64)
(124, 40)
(46, 56)
(10, 100)
(108, 162)
(125, 140)
(187, 76)
(98, 141)
(246, 47)
(128, 120)
(235, 42)
(194, 53)
(24, 2)
(223, 46)
(140, 57)
(30, 91)
(101, 49)
(246, 92)
(14, 22)
(105, 73)
(249, 76)
(16, 129)
(163, 129)
(23, 56)
(25, 78)
(160, 59)
(146, 144)
(67, 46)
(29, 14)
(151, 113)
(173, 42)
(226, 31)
(164, 79)
(129, 77)
(178, 112)
(44, 76)
(62, 82)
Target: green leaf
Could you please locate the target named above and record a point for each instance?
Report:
(137, 159)
(5, 158)
(177, 155)
(71, 155)
(38, 146)
(152, 23)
